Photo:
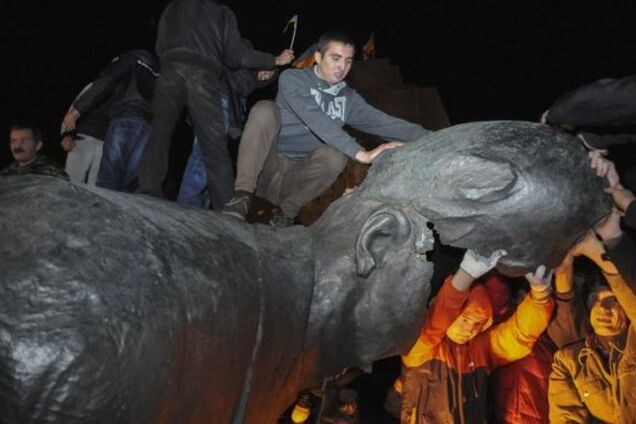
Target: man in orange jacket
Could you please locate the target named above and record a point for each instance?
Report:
(447, 368)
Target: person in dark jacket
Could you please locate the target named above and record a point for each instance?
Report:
(294, 149)
(603, 113)
(127, 84)
(619, 245)
(85, 143)
(196, 40)
(25, 141)
(236, 86)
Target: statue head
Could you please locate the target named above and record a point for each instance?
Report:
(371, 283)
(518, 186)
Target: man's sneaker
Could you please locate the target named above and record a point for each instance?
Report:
(239, 205)
(280, 220)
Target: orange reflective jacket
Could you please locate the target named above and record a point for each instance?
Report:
(437, 364)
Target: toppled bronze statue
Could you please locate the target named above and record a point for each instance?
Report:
(121, 308)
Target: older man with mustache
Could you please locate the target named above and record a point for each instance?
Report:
(25, 143)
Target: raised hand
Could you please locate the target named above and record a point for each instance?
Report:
(285, 57)
(540, 283)
(475, 265)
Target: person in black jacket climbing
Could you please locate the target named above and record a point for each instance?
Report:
(196, 39)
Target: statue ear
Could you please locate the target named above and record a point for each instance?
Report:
(384, 230)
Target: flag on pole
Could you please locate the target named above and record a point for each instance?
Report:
(368, 50)
(293, 21)
(306, 59)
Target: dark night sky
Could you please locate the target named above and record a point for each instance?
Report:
(492, 59)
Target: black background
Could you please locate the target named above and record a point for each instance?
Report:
(493, 59)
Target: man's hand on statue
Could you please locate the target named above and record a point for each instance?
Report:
(67, 143)
(594, 152)
(604, 168)
(364, 156)
(349, 190)
(285, 57)
(591, 247)
(622, 196)
(544, 117)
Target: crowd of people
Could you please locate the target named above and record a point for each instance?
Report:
(483, 357)
(485, 354)
(558, 349)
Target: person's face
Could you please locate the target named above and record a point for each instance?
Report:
(465, 327)
(607, 317)
(335, 63)
(23, 145)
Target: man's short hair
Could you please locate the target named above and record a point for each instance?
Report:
(333, 36)
(27, 125)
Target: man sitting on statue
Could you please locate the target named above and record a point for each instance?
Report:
(293, 149)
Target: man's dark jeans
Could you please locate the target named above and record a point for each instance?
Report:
(197, 89)
(194, 184)
(123, 146)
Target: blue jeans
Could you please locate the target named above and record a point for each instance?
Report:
(123, 145)
(194, 184)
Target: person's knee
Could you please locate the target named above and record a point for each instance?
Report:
(332, 160)
(265, 111)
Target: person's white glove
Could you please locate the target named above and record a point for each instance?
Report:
(476, 266)
(540, 284)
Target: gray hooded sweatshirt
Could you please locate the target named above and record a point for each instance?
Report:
(313, 113)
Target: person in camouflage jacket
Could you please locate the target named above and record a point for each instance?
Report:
(26, 143)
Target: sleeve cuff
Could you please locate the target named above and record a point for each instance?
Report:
(541, 296)
(451, 292)
(564, 297)
(352, 149)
